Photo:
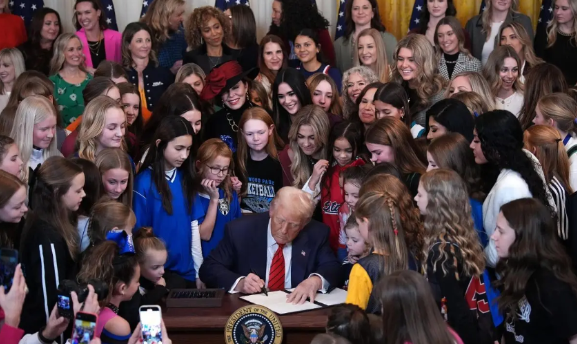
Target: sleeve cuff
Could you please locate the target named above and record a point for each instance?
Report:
(232, 291)
(325, 284)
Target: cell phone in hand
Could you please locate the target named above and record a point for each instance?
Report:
(84, 327)
(151, 324)
(64, 304)
(8, 263)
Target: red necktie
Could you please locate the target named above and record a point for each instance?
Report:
(276, 274)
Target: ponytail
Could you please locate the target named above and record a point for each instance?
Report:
(144, 240)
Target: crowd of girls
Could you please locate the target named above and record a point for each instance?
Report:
(444, 164)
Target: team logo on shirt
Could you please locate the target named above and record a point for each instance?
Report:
(223, 206)
(253, 325)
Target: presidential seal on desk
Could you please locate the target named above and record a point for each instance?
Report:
(253, 325)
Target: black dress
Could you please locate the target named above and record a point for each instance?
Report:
(223, 124)
(36, 58)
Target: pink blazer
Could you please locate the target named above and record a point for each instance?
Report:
(112, 45)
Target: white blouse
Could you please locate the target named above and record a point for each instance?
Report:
(513, 103)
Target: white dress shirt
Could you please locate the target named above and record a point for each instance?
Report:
(287, 251)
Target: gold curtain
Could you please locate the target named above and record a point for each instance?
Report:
(397, 13)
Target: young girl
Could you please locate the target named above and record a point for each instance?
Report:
(308, 141)
(289, 95)
(308, 51)
(93, 190)
(121, 273)
(350, 322)
(379, 220)
(538, 286)
(111, 220)
(151, 254)
(351, 181)
(12, 208)
(389, 140)
(256, 160)
(103, 126)
(345, 141)
(164, 191)
(130, 98)
(410, 314)
(502, 73)
(34, 132)
(49, 247)
(116, 171)
(10, 160)
(546, 144)
(356, 247)
(391, 100)
(219, 203)
(455, 261)
(324, 93)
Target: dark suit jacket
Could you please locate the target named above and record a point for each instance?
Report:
(199, 56)
(244, 248)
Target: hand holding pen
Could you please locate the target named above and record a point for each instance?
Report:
(251, 284)
(263, 288)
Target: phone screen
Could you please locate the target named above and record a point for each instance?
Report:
(63, 302)
(150, 318)
(8, 262)
(83, 331)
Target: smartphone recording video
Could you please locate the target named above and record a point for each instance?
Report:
(151, 320)
(8, 263)
(84, 326)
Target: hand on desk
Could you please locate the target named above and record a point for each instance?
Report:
(306, 289)
(251, 284)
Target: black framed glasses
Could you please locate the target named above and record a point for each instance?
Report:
(216, 171)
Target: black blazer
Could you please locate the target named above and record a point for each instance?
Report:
(199, 56)
(156, 81)
(244, 248)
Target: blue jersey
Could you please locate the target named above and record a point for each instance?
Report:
(176, 229)
(225, 213)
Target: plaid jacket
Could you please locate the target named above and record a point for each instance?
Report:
(464, 64)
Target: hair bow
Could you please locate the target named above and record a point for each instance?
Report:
(122, 239)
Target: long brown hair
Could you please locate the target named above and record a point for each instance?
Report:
(111, 158)
(243, 151)
(536, 246)
(494, 65)
(547, 145)
(270, 75)
(107, 215)
(208, 151)
(457, 30)
(528, 54)
(409, 214)
(53, 180)
(411, 314)
(9, 185)
(542, 80)
(449, 221)
(336, 102)
(392, 132)
(451, 151)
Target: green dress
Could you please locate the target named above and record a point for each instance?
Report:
(69, 97)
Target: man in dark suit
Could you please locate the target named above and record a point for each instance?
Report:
(279, 250)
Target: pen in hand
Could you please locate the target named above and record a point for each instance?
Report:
(263, 288)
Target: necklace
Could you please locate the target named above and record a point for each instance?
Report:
(231, 122)
(112, 308)
(94, 47)
(565, 34)
(214, 61)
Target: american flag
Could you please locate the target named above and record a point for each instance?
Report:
(25, 8)
(108, 6)
(341, 23)
(416, 16)
(145, 5)
(545, 15)
(482, 8)
(223, 5)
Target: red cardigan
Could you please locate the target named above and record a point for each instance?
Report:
(9, 334)
(13, 31)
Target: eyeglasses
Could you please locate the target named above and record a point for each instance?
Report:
(216, 171)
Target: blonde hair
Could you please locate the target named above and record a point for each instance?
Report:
(474, 102)
(381, 67)
(553, 25)
(457, 30)
(449, 221)
(57, 61)
(189, 69)
(31, 111)
(528, 51)
(314, 116)
(480, 86)
(561, 108)
(111, 158)
(488, 12)
(157, 18)
(210, 150)
(495, 63)
(93, 122)
(197, 18)
(107, 215)
(16, 59)
(336, 103)
(547, 145)
(243, 151)
(428, 82)
(144, 241)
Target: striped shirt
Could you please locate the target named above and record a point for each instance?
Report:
(560, 197)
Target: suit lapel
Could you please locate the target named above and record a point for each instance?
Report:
(443, 68)
(259, 247)
(461, 63)
(300, 256)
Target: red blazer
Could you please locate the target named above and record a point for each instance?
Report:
(13, 31)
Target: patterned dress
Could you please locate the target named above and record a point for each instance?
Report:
(69, 97)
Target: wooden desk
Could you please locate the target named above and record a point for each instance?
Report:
(206, 325)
